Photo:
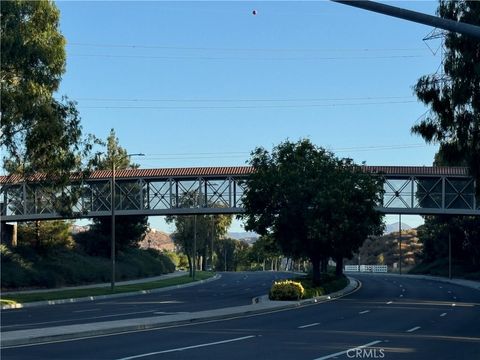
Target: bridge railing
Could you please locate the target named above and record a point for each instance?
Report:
(424, 191)
(366, 268)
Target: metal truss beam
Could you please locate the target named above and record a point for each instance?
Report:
(219, 194)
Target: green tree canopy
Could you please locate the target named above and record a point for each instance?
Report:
(454, 94)
(38, 132)
(129, 230)
(308, 201)
(185, 230)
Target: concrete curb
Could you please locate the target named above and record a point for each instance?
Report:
(103, 297)
(353, 285)
(461, 282)
(70, 332)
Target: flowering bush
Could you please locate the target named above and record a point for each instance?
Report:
(286, 290)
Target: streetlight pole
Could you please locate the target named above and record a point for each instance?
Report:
(400, 241)
(194, 246)
(213, 236)
(112, 239)
(112, 202)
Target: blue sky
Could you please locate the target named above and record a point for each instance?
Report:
(204, 83)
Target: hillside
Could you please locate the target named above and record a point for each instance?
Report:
(157, 239)
(383, 250)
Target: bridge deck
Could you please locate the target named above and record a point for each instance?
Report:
(408, 190)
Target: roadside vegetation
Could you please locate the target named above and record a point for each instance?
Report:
(23, 267)
(305, 288)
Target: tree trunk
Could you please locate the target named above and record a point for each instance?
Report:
(37, 234)
(315, 270)
(190, 266)
(204, 259)
(339, 265)
(324, 264)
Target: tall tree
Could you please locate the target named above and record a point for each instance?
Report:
(454, 94)
(185, 231)
(299, 195)
(38, 132)
(129, 230)
(45, 235)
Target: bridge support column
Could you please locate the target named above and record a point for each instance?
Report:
(8, 234)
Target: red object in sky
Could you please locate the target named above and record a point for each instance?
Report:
(254, 12)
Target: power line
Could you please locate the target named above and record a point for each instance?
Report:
(244, 100)
(243, 106)
(242, 154)
(248, 58)
(199, 48)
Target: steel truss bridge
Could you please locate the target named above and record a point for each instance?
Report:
(219, 190)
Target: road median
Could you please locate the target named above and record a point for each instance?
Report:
(79, 331)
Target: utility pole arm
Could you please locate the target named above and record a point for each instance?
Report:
(435, 21)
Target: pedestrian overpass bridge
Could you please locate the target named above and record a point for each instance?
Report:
(219, 190)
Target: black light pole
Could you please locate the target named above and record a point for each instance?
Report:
(449, 255)
(112, 202)
(194, 246)
(213, 236)
(400, 241)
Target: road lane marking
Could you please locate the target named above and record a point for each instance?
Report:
(82, 311)
(349, 350)
(388, 303)
(401, 295)
(443, 314)
(308, 325)
(364, 311)
(187, 348)
(413, 329)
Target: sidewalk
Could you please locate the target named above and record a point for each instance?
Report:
(99, 285)
(58, 333)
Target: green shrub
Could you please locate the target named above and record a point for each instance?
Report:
(22, 268)
(286, 290)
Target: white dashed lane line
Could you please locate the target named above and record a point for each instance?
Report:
(443, 314)
(364, 311)
(308, 325)
(388, 303)
(413, 329)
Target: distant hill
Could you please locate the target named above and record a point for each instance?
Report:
(249, 237)
(76, 229)
(383, 250)
(390, 228)
(157, 239)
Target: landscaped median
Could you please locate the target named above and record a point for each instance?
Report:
(15, 300)
(303, 287)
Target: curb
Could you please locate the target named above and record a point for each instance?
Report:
(353, 285)
(472, 284)
(72, 332)
(103, 297)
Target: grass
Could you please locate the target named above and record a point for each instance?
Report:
(78, 293)
(329, 284)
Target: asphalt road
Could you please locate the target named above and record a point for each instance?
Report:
(232, 289)
(393, 317)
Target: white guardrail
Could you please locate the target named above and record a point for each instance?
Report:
(366, 268)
